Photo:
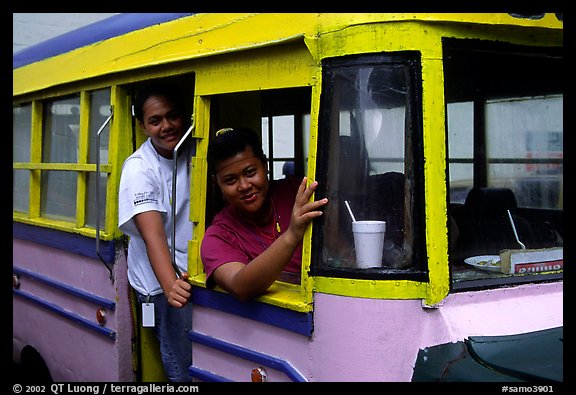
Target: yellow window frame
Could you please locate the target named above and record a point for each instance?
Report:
(119, 147)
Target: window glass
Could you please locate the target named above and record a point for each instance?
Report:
(91, 195)
(280, 148)
(21, 130)
(21, 186)
(505, 156)
(60, 137)
(58, 198)
(370, 165)
(525, 147)
(99, 113)
(461, 149)
(60, 131)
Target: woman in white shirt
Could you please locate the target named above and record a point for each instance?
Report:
(145, 215)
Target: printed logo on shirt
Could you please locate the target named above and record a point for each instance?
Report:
(144, 198)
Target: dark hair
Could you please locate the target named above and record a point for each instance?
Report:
(168, 91)
(230, 141)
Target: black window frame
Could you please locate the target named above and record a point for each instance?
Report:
(419, 269)
(477, 70)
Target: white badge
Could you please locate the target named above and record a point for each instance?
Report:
(148, 315)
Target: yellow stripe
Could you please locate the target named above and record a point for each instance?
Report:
(208, 34)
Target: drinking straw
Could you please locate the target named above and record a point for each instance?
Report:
(350, 211)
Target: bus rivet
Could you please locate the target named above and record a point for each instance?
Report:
(15, 281)
(259, 375)
(101, 316)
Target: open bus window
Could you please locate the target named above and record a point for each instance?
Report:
(282, 116)
(505, 158)
(369, 158)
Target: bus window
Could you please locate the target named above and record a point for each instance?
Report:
(62, 152)
(505, 158)
(285, 131)
(370, 145)
(283, 118)
(60, 144)
(280, 143)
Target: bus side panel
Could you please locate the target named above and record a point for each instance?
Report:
(367, 339)
(238, 345)
(378, 340)
(55, 311)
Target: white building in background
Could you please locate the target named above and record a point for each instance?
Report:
(32, 28)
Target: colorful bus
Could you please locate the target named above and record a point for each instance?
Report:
(448, 127)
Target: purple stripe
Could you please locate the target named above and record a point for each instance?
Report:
(116, 25)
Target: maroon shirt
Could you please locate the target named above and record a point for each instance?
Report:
(231, 239)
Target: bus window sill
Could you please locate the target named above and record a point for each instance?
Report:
(280, 294)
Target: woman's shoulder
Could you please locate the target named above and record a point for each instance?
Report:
(139, 160)
(222, 220)
(135, 164)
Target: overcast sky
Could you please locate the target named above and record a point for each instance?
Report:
(32, 28)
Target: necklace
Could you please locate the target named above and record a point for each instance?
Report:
(276, 219)
(275, 227)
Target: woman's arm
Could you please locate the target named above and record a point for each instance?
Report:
(247, 281)
(150, 227)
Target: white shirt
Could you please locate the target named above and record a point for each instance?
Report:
(146, 185)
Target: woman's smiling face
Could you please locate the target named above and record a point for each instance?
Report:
(163, 123)
(244, 183)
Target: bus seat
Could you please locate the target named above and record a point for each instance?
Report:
(386, 203)
(486, 229)
(353, 165)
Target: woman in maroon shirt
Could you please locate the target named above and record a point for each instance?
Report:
(259, 233)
